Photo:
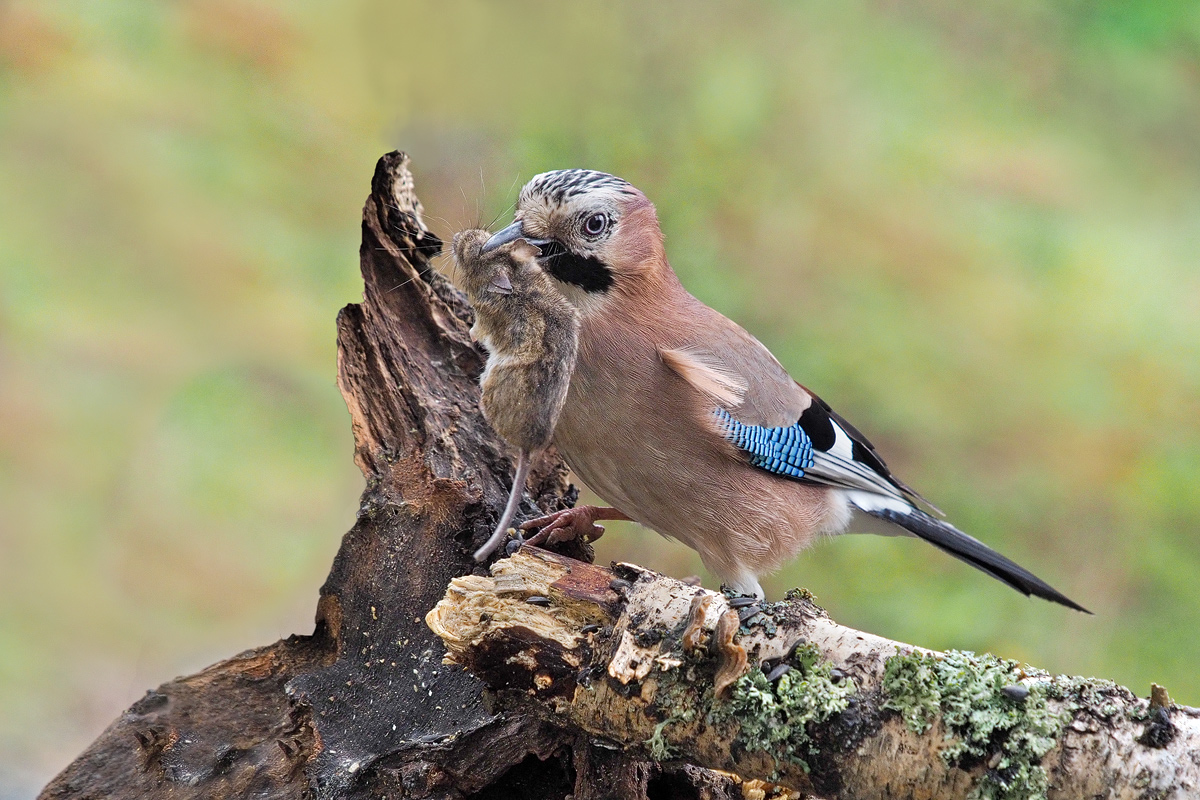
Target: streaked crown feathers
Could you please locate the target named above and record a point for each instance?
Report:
(560, 186)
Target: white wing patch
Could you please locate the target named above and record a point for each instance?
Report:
(706, 374)
(837, 467)
(870, 501)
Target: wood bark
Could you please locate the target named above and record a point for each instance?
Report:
(653, 664)
(364, 707)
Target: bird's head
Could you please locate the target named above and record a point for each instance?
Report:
(598, 234)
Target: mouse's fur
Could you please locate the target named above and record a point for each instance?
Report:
(531, 334)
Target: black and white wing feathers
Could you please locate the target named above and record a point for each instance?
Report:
(821, 447)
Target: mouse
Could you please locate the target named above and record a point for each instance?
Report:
(531, 334)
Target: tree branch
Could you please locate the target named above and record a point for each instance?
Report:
(668, 669)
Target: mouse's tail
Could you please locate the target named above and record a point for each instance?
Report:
(510, 510)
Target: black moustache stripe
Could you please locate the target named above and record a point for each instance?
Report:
(587, 272)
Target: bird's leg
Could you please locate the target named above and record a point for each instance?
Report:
(746, 585)
(572, 523)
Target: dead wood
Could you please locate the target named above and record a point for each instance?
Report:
(364, 707)
(783, 693)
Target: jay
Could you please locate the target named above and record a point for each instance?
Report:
(686, 423)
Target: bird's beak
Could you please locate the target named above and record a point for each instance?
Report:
(510, 234)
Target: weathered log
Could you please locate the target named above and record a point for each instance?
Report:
(363, 707)
(655, 665)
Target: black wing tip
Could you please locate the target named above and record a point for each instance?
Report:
(974, 552)
(1071, 604)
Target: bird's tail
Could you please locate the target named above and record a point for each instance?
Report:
(966, 548)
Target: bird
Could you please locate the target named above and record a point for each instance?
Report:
(684, 422)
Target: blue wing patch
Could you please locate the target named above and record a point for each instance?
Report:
(784, 451)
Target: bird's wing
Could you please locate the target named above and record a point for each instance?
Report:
(819, 447)
(776, 423)
(781, 427)
(706, 374)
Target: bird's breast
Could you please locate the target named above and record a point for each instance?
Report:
(637, 435)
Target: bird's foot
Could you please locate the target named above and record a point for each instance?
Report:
(776, 670)
(745, 585)
(571, 523)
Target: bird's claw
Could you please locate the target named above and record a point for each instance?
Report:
(777, 671)
(746, 613)
(563, 526)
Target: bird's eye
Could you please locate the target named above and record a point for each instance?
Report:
(595, 225)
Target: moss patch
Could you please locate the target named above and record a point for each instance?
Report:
(995, 719)
(775, 718)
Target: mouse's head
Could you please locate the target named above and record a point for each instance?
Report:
(491, 275)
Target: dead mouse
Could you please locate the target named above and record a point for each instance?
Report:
(531, 334)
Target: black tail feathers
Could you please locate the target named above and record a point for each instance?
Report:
(958, 544)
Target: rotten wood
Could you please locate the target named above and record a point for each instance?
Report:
(657, 666)
(363, 707)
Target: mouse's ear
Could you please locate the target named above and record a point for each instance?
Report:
(523, 248)
(500, 284)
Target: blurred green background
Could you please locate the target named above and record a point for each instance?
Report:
(973, 228)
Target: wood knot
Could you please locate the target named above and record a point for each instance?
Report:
(1159, 731)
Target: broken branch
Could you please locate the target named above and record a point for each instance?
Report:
(781, 692)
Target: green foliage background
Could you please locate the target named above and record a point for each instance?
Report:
(972, 227)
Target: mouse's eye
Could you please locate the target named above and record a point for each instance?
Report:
(595, 225)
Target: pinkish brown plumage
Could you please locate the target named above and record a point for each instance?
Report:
(685, 422)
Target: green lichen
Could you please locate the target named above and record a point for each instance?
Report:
(1008, 732)
(775, 718)
(660, 749)
(675, 698)
(800, 594)
(1102, 698)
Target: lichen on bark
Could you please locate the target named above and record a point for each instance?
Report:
(775, 718)
(988, 707)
